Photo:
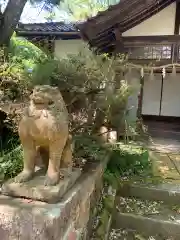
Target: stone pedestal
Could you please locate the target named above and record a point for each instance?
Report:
(35, 189)
(27, 219)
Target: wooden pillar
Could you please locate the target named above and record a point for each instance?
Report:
(119, 41)
(140, 98)
(175, 47)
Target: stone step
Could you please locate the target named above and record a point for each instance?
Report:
(152, 218)
(167, 192)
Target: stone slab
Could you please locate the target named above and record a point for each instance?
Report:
(35, 189)
(167, 192)
(164, 165)
(167, 229)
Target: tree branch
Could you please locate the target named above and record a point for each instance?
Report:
(1, 15)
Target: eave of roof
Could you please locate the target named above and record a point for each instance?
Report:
(122, 16)
(53, 29)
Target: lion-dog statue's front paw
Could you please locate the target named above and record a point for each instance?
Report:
(52, 180)
(24, 176)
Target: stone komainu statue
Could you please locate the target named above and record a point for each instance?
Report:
(44, 131)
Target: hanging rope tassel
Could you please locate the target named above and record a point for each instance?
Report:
(164, 72)
(142, 72)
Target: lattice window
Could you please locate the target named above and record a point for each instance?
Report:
(156, 52)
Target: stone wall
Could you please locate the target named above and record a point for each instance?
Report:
(70, 219)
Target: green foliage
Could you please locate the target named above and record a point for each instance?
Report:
(127, 161)
(45, 72)
(82, 9)
(87, 147)
(11, 164)
(79, 76)
(112, 177)
(87, 83)
(8, 142)
(103, 214)
(17, 64)
(24, 57)
(71, 72)
(11, 159)
(22, 50)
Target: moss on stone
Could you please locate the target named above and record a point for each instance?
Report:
(100, 232)
(104, 216)
(109, 203)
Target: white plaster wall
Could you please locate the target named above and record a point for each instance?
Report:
(160, 24)
(65, 47)
(151, 95)
(171, 96)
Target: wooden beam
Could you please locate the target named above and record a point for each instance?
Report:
(175, 50)
(137, 41)
(118, 41)
(152, 39)
(177, 19)
(140, 98)
(146, 62)
(146, 14)
(118, 35)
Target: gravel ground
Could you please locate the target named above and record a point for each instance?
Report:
(144, 208)
(126, 234)
(149, 208)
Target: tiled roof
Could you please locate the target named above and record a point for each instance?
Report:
(46, 28)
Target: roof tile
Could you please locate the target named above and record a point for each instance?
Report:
(47, 27)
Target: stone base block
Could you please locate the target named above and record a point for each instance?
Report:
(35, 189)
(26, 219)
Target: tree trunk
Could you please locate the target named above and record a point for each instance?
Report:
(10, 19)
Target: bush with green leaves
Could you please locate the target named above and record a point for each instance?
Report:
(88, 85)
(127, 161)
(87, 146)
(93, 91)
(11, 164)
(17, 64)
(87, 82)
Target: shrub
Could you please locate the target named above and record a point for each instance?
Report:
(11, 164)
(88, 85)
(94, 91)
(126, 161)
(87, 147)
